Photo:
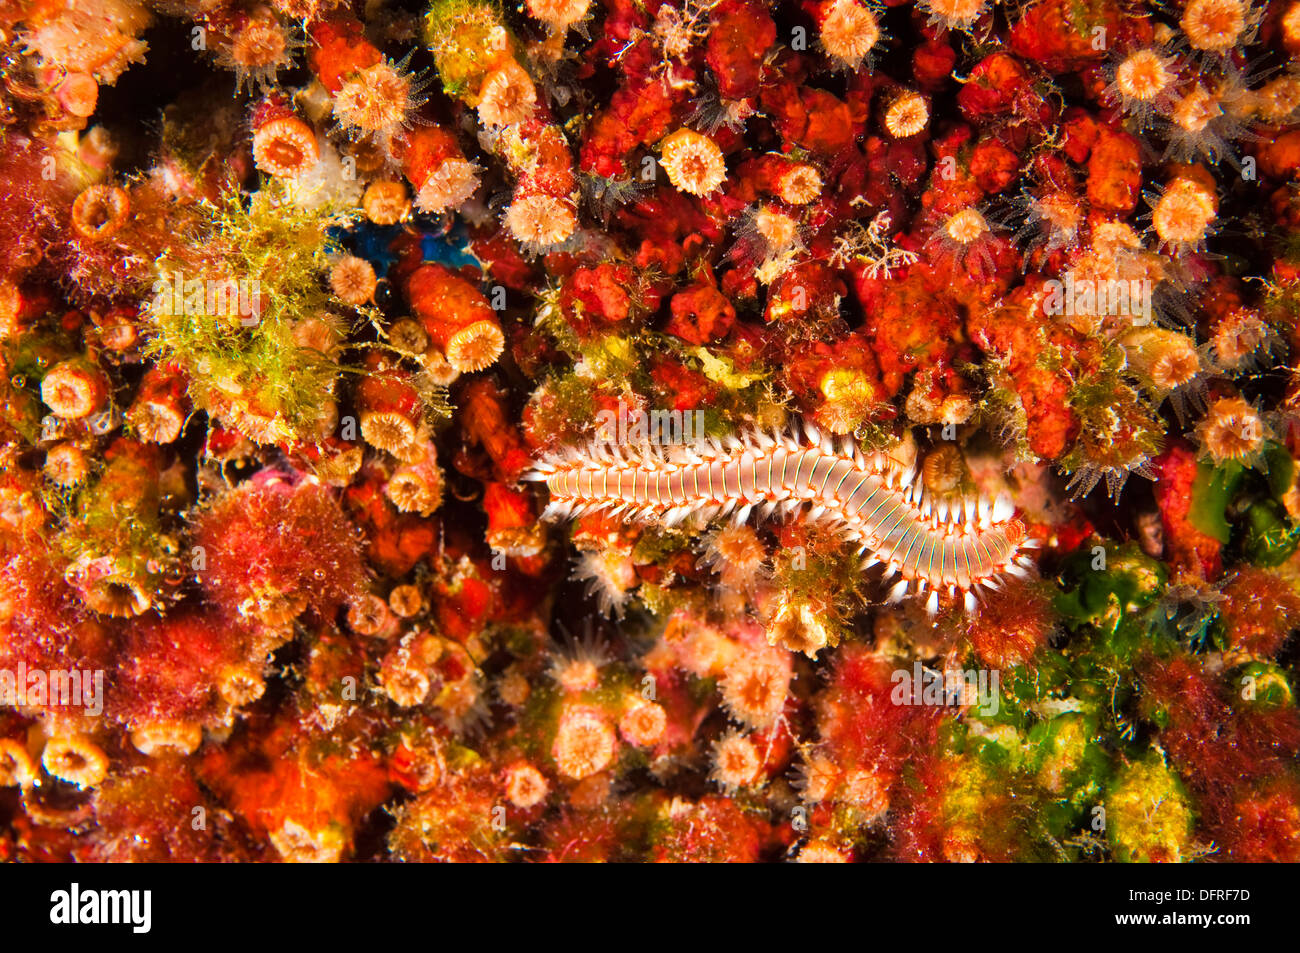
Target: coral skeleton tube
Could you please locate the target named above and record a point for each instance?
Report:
(442, 177)
(936, 545)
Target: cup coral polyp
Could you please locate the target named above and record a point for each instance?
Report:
(437, 169)
(456, 317)
(74, 389)
(283, 144)
(1217, 26)
(377, 102)
(693, 162)
(954, 14)
(257, 47)
(849, 31)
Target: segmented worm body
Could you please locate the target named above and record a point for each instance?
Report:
(940, 545)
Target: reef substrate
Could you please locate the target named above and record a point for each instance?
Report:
(293, 295)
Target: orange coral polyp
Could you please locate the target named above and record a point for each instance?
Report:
(693, 161)
(799, 184)
(540, 219)
(156, 421)
(442, 177)
(448, 186)
(475, 347)
(965, 226)
(405, 684)
(368, 615)
(1196, 110)
(943, 469)
(849, 31)
(74, 389)
(796, 627)
(285, 147)
(778, 230)
(258, 49)
(1183, 214)
(67, 464)
(1144, 76)
(754, 689)
(736, 552)
(736, 762)
(387, 430)
(386, 202)
(507, 96)
(78, 93)
(76, 759)
(353, 280)
(240, 685)
(17, 769)
(375, 101)
(101, 211)
(584, 743)
(1176, 367)
(525, 786)
(1238, 335)
(558, 14)
(643, 722)
(907, 115)
(416, 487)
(1290, 25)
(1231, 431)
(167, 737)
(1215, 26)
(954, 14)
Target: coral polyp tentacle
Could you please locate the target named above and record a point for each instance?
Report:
(869, 498)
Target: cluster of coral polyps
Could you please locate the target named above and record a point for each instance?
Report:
(294, 294)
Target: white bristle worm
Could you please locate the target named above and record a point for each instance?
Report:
(957, 546)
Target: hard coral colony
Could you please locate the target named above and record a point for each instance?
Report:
(817, 326)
